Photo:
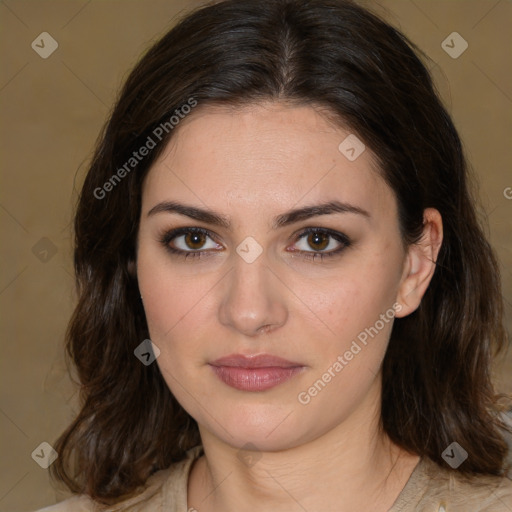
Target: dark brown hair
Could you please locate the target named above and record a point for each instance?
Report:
(332, 54)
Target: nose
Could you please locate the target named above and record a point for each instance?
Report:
(253, 300)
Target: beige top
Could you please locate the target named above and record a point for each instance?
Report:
(430, 488)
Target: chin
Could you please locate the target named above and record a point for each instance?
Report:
(268, 427)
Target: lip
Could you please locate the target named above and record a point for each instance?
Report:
(254, 373)
(255, 361)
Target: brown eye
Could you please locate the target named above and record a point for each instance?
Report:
(189, 242)
(318, 241)
(195, 240)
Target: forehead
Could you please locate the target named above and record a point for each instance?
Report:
(263, 157)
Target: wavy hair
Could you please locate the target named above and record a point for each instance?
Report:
(333, 54)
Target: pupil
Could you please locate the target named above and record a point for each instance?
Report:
(194, 239)
(317, 239)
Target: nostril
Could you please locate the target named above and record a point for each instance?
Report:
(265, 328)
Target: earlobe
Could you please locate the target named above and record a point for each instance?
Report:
(410, 292)
(420, 263)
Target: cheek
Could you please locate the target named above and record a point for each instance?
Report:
(169, 299)
(345, 361)
(171, 310)
(352, 301)
(350, 309)
(179, 315)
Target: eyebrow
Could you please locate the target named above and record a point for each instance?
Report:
(285, 219)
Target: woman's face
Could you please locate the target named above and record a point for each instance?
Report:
(329, 318)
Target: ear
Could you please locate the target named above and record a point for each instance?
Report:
(420, 263)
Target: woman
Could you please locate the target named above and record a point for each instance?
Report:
(285, 299)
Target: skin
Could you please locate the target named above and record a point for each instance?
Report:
(251, 165)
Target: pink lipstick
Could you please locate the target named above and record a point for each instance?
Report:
(254, 373)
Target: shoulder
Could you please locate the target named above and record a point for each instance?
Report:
(432, 487)
(166, 489)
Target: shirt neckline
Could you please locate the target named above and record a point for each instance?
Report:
(406, 498)
(409, 492)
(179, 499)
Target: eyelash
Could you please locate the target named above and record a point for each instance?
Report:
(167, 236)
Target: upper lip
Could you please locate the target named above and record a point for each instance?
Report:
(254, 361)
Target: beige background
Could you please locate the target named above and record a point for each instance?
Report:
(51, 113)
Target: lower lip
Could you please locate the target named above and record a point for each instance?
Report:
(255, 379)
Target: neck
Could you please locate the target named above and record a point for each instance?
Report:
(353, 466)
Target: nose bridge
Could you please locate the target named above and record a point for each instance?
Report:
(253, 297)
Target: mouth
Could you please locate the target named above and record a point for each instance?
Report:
(254, 373)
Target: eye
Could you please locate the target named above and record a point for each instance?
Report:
(321, 240)
(187, 242)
